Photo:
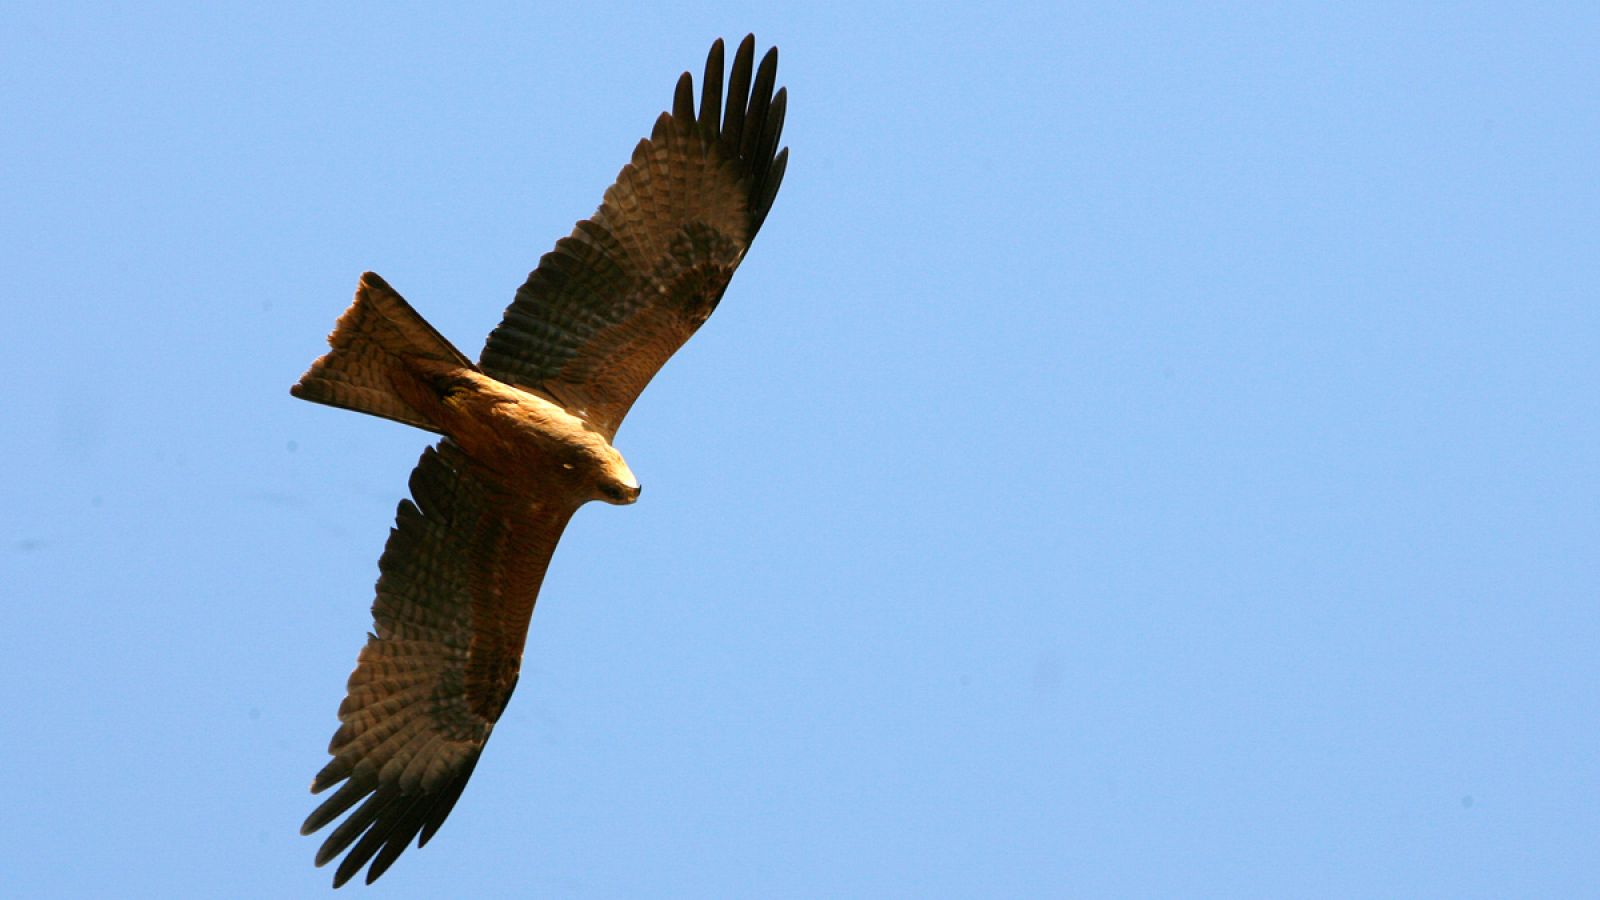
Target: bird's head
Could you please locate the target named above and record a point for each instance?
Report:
(615, 482)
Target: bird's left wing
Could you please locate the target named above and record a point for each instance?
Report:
(457, 583)
(607, 307)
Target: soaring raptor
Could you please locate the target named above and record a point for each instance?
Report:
(527, 435)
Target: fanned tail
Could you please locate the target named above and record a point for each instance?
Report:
(377, 344)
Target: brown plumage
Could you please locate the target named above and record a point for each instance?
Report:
(527, 440)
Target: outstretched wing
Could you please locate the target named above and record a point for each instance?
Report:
(607, 307)
(456, 589)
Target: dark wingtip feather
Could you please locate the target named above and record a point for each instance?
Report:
(383, 827)
(440, 809)
(760, 99)
(752, 115)
(354, 827)
(331, 774)
(772, 128)
(769, 188)
(334, 807)
(683, 98)
(394, 820)
(738, 91)
(406, 829)
(711, 91)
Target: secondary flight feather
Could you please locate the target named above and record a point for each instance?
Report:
(527, 434)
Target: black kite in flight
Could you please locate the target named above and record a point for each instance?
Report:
(527, 440)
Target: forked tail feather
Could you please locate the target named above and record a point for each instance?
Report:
(378, 343)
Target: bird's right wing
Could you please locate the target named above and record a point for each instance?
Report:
(457, 583)
(607, 307)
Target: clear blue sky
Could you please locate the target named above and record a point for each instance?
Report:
(1149, 451)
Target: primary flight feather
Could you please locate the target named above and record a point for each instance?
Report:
(527, 440)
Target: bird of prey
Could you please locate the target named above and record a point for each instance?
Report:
(527, 439)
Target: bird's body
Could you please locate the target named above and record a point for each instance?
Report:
(521, 440)
(527, 439)
(516, 433)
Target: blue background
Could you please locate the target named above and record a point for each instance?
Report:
(1150, 451)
